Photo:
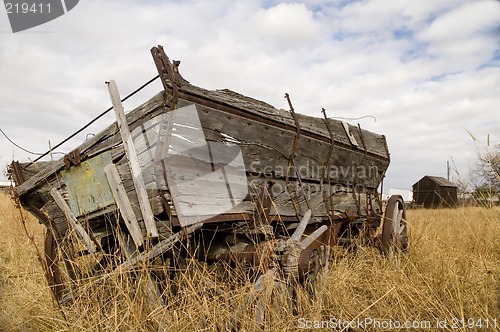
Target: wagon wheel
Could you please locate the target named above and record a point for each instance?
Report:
(395, 228)
(57, 262)
(68, 264)
(318, 264)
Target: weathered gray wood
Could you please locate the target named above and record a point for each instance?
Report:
(29, 170)
(267, 152)
(374, 142)
(341, 198)
(79, 230)
(259, 287)
(309, 125)
(158, 249)
(147, 213)
(350, 136)
(123, 203)
(265, 136)
(299, 231)
(151, 187)
(106, 138)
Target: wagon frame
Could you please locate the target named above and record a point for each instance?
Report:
(210, 175)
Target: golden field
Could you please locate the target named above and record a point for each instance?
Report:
(449, 281)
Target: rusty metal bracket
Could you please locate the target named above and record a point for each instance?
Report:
(73, 158)
(362, 163)
(169, 73)
(291, 162)
(16, 171)
(264, 202)
(328, 202)
(386, 147)
(297, 126)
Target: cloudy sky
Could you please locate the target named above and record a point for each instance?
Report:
(428, 71)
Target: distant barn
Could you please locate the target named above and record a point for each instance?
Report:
(435, 192)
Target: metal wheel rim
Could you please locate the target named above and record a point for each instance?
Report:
(395, 229)
(59, 276)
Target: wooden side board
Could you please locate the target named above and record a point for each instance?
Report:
(265, 137)
(233, 104)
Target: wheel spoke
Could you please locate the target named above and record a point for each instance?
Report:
(400, 215)
(401, 230)
(395, 219)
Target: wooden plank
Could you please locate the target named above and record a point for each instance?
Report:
(123, 203)
(158, 249)
(266, 152)
(375, 143)
(350, 136)
(135, 169)
(152, 187)
(79, 230)
(86, 184)
(312, 126)
(105, 138)
(341, 197)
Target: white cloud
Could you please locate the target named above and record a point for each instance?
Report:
(464, 21)
(286, 26)
(423, 68)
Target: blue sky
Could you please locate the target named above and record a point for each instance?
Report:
(427, 70)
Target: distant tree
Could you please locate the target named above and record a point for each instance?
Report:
(484, 191)
(486, 171)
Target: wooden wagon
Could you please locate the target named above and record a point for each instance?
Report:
(210, 175)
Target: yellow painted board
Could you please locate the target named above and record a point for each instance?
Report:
(87, 186)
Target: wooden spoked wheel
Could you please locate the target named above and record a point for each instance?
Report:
(395, 228)
(60, 270)
(68, 264)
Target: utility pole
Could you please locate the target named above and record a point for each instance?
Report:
(50, 152)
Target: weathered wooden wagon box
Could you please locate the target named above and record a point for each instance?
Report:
(235, 172)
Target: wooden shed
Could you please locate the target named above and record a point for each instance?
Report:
(435, 192)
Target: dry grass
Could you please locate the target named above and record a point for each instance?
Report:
(452, 271)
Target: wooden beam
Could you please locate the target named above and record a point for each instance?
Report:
(126, 210)
(158, 249)
(135, 169)
(79, 230)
